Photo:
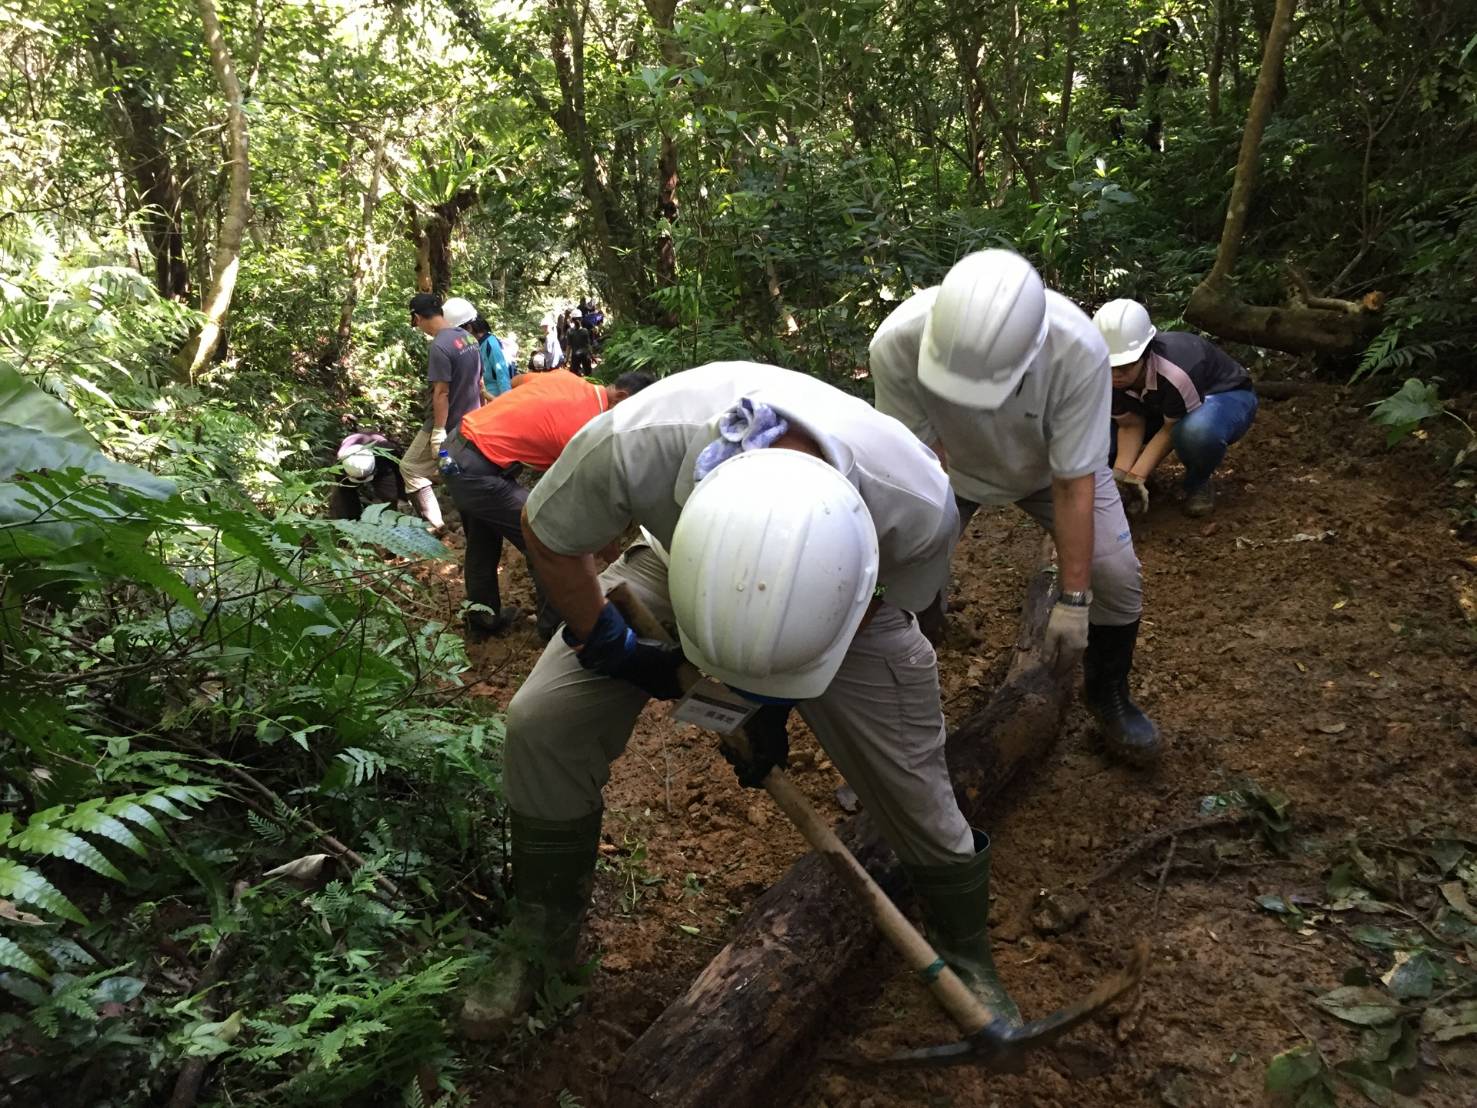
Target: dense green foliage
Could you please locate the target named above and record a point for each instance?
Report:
(204, 680)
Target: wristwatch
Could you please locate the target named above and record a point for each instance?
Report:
(1081, 598)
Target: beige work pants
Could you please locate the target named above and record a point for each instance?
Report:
(418, 465)
(880, 721)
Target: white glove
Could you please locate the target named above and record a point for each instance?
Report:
(1133, 490)
(438, 438)
(1066, 637)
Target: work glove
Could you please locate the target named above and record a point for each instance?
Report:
(613, 649)
(769, 746)
(438, 438)
(1066, 637)
(1133, 490)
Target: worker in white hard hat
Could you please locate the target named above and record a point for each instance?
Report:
(1173, 392)
(804, 530)
(1006, 380)
(370, 464)
(454, 375)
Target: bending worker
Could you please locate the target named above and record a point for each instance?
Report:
(526, 429)
(805, 528)
(1007, 380)
(1172, 391)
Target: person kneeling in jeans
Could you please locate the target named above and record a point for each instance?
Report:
(1171, 391)
(527, 427)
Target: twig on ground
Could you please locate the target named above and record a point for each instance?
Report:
(1163, 880)
(1154, 838)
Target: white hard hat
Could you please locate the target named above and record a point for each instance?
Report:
(1126, 327)
(358, 463)
(773, 564)
(986, 326)
(458, 312)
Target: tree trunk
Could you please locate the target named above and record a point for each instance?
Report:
(355, 255)
(143, 145)
(217, 303)
(1217, 59)
(1308, 324)
(745, 1029)
(1069, 74)
(621, 287)
(663, 18)
(420, 241)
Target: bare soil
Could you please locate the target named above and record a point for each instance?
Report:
(1310, 638)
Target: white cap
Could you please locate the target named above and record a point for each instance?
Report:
(458, 312)
(1126, 327)
(358, 463)
(986, 327)
(773, 564)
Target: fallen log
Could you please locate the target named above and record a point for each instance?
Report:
(747, 1025)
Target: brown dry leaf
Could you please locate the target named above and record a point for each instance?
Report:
(1337, 604)
(1333, 728)
(9, 911)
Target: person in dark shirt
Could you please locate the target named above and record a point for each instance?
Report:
(454, 372)
(1172, 391)
(578, 342)
(371, 475)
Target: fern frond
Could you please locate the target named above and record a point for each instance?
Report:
(13, 957)
(55, 842)
(94, 821)
(25, 886)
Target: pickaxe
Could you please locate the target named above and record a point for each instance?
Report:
(988, 1040)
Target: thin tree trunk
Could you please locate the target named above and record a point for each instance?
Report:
(357, 251)
(1069, 75)
(1310, 324)
(1244, 183)
(1217, 59)
(663, 18)
(238, 203)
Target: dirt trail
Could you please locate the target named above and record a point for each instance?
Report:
(1308, 639)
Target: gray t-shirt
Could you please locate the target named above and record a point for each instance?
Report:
(634, 464)
(1055, 424)
(456, 360)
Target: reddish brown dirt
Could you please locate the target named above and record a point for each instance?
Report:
(1337, 670)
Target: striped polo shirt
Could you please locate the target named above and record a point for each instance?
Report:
(1180, 371)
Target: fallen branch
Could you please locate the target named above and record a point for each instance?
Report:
(1148, 842)
(192, 1073)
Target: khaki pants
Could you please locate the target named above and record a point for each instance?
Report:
(1117, 578)
(418, 465)
(880, 721)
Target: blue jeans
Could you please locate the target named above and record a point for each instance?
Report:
(1201, 438)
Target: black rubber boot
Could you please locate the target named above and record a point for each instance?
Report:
(956, 916)
(1129, 735)
(553, 873)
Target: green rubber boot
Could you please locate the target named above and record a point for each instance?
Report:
(956, 914)
(553, 873)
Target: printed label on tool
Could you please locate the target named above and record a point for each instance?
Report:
(711, 705)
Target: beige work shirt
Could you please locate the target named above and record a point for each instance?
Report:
(634, 465)
(1055, 424)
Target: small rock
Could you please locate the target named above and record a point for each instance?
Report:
(1209, 529)
(848, 800)
(758, 817)
(1057, 913)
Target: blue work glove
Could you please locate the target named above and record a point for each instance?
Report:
(769, 745)
(613, 649)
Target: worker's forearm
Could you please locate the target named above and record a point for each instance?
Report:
(571, 582)
(1071, 501)
(1153, 453)
(440, 405)
(1130, 442)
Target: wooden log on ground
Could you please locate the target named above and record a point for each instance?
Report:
(748, 1024)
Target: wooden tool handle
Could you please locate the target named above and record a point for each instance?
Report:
(963, 1007)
